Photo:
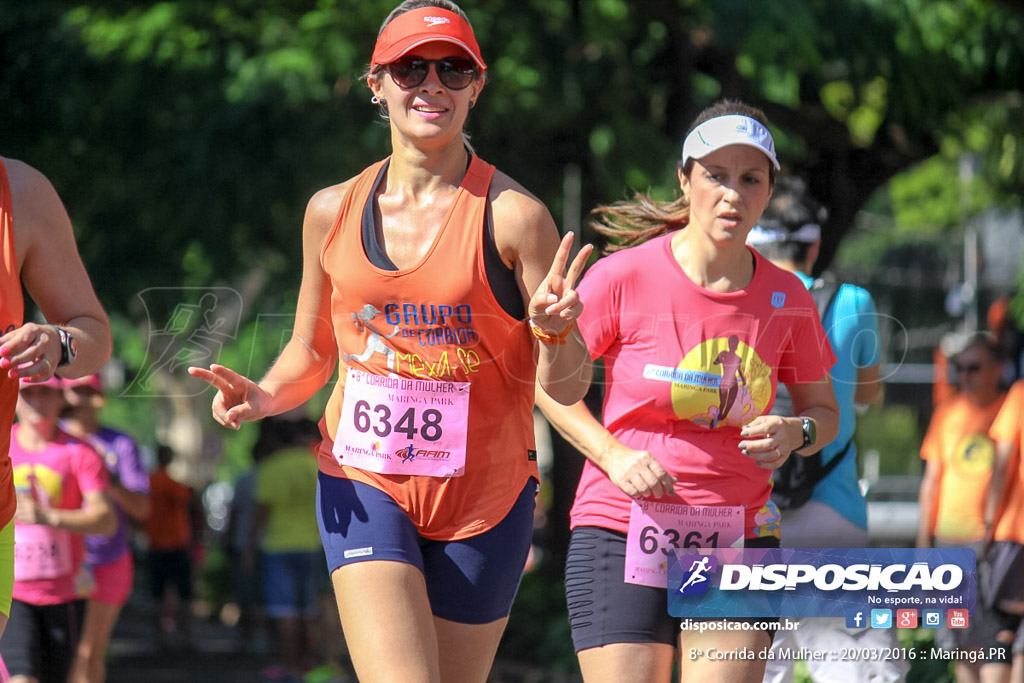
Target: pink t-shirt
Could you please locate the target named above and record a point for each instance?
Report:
(57, 476)
(685, 368)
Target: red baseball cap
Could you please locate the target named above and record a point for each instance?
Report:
(89, 381)
(418, 27)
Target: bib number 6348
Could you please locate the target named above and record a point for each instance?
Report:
(403, 426)
(381, 421)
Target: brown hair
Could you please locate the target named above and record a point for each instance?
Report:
(634, 221)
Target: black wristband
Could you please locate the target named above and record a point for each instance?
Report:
(68, 347)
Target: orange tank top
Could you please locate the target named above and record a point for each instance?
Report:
(12, 308)
(439, 321)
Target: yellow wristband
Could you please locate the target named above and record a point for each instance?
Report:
(549, 338)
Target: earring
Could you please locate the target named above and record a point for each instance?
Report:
(472, 103)
(378, 100)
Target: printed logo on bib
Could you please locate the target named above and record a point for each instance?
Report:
(397, 425)
(719, 382)
(656, 528)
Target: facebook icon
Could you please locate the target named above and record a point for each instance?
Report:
(855, 619)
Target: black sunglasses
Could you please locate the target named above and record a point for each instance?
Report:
(968, 369)
(455, 73)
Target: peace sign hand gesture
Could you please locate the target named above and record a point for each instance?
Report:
(555, 304)
(238, 398)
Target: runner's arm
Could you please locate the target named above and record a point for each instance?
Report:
(817, 401)
(997, 484)
(55, 278)
(869, 386)
(926, 503)
(527, 238)
(135, 503)
(96, 516)
(637, 473)
(308, 359)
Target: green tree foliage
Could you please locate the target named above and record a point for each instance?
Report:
(186, 136)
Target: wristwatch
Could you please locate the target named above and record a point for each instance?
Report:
(68, 347)
(810, 433)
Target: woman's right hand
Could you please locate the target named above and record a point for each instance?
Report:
(637, 473)
(238, 398)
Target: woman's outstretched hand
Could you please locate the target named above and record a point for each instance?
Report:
(555, 304)
(238, 398)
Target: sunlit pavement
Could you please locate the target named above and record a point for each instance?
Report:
(214, 654)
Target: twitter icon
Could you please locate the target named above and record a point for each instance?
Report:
(881, 618)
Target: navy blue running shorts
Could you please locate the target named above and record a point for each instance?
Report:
(603, 608)
(472, 581)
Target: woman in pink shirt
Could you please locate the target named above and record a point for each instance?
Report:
(695, 330)
(60, 484)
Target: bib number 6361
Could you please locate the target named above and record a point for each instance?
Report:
(656, 528)
(651, 540)
(380, 419)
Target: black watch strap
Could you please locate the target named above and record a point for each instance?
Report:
(68, 347)
(810, 430)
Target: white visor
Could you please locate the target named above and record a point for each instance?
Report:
(808, 233)
(722, 131)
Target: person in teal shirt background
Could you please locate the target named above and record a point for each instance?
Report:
(789, 235)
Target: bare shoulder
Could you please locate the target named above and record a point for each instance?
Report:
(513, 203)
(39, 216)
(522, 224)
(32, 193)
(322, 209)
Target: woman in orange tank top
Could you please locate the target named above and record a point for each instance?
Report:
(426, 434)
(37, 247)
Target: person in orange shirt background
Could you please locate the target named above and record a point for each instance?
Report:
(958, 451)
(1004, 541)
(959, 456)
(169, 532)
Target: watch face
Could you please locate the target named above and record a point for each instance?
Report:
(68, 347)
(810, 431)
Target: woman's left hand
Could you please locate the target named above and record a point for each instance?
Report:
(556, 304)
(29, 511)
(30, 352)
(770, 439)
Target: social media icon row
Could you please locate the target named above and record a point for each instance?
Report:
(906, 618)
